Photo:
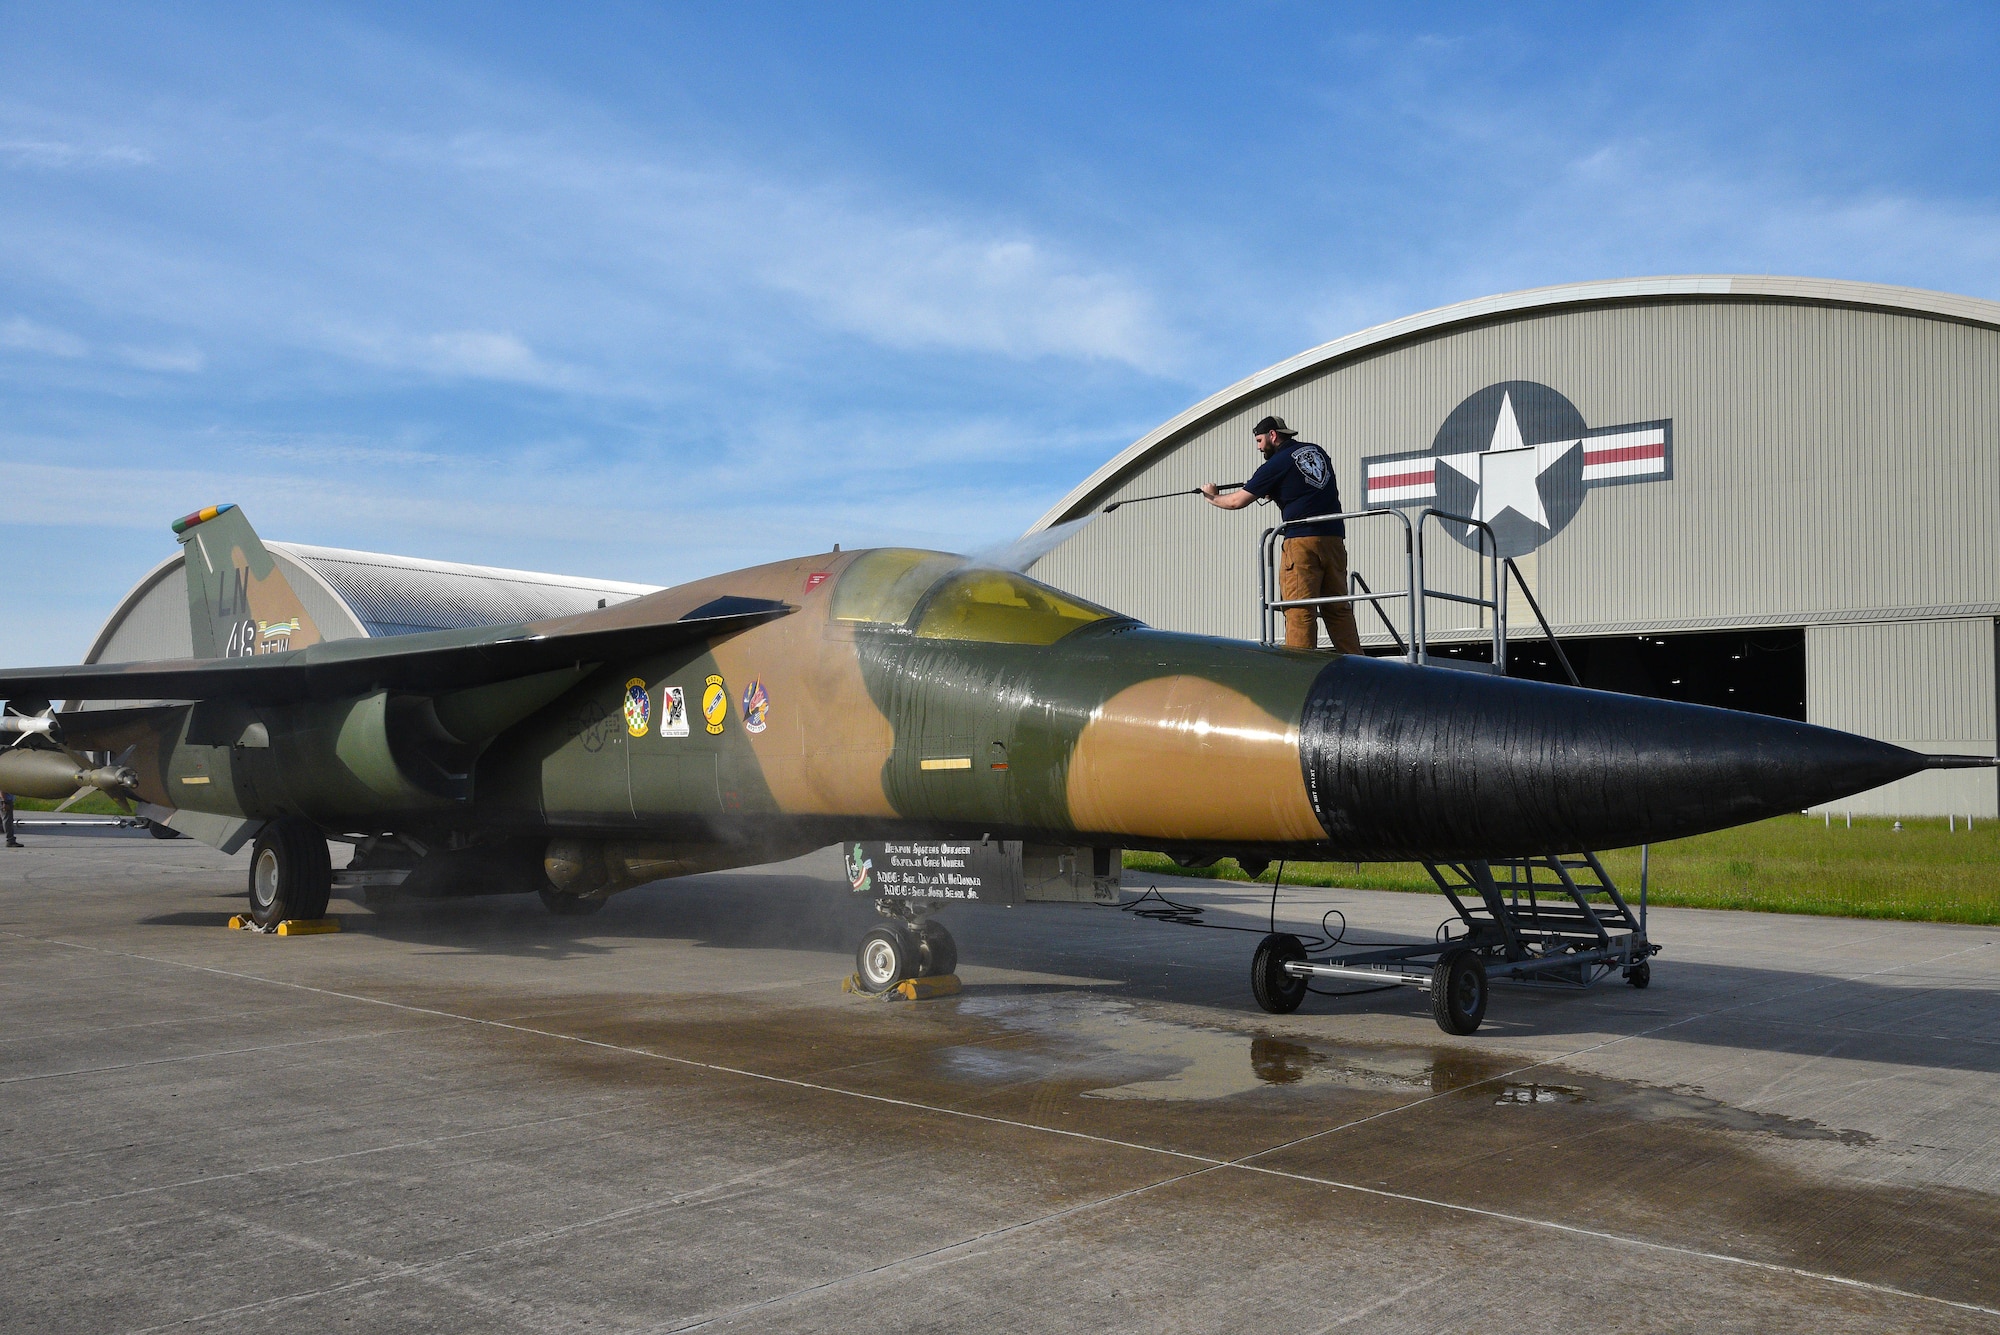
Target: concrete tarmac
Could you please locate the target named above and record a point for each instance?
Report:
(472, 1115)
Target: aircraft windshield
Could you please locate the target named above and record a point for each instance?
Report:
(952, 602)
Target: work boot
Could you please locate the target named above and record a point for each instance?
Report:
(14, 843)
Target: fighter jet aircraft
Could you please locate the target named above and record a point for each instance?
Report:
(885, 694)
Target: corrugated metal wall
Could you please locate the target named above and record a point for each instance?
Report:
(1829, 464)
(155, 626)
(333, 617)
(1927, 685)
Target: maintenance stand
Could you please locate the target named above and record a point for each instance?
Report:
(1556, 919)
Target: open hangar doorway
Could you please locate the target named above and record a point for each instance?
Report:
(1760, 671)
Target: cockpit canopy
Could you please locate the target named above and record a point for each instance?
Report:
(937, 596)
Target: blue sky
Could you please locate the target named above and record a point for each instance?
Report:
(649, 292)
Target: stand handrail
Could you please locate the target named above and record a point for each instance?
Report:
(1271, 610)
(1554, 643)
(1498, 602)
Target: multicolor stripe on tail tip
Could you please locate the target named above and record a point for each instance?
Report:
(186, 522)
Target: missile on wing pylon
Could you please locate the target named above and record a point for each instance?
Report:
(887, 694)
(54, 774)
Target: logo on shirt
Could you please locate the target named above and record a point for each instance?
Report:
(1518, 456)
(1312, 464)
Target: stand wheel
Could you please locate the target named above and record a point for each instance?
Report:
(290, 873)
(1640, 974)
(937, 953)
(1277, 991)
(886, 957)
(568, 906)
(1458, 991)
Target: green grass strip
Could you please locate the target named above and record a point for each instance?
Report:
(1928, 871)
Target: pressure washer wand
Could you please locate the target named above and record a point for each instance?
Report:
(1169, 495)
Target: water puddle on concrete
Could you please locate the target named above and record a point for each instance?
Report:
(1532, 1093)
(1142, 1056)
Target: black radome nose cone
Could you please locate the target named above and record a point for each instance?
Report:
(1424, 764)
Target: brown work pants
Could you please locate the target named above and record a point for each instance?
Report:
(1317, 568)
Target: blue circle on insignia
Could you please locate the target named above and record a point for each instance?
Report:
(1512, 455)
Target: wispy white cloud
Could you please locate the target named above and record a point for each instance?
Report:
(477, 354)
(55, 154)
(176, 360)
(21, 334)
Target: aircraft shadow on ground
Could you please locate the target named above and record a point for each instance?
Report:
(733, 913)
(1741, 1007)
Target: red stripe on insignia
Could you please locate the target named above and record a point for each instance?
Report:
(1379, 481)
(1623, 455)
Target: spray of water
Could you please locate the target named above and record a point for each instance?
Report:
(1023, 552)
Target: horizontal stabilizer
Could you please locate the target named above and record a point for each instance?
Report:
(436, 661)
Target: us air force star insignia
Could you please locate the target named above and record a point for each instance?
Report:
(1519, 457)
(1509, 472)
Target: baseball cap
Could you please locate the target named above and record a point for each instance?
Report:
(1276, 424)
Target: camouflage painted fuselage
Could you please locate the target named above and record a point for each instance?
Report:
(904, 693)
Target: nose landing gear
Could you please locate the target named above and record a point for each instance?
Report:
(911, 945)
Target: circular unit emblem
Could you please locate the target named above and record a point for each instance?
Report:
(756, 706)
(714, 704)
(638, 707)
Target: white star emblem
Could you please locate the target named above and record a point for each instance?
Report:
(1508, 471)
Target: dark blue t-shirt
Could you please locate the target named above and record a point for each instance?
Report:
(1300, 478)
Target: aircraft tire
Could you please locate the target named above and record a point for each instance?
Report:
(291, 876)
(1458, 991)
(937, 953)
(1278, 992)
(886, 956)
(569, 906)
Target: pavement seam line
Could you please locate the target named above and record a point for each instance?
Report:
(308, 1163)
(1209, 1163)
(192, 1057)
(945, 1249)
(419, 1269)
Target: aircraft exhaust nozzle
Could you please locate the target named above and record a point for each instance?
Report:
(1405, 763)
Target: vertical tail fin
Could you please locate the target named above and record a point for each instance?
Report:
(238, 600)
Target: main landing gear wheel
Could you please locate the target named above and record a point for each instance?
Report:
(569, 906)
(1458, 991)
(887, 956)
(937, 953)
(1277, 991)
(1640, 974)
(290, 873)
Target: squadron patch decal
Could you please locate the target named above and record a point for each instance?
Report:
(673, 712)
(638, 707)
(756, 706)
(714, 704)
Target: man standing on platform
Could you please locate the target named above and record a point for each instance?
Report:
(1298, 475)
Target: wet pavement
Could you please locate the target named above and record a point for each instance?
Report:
(472, 1115)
